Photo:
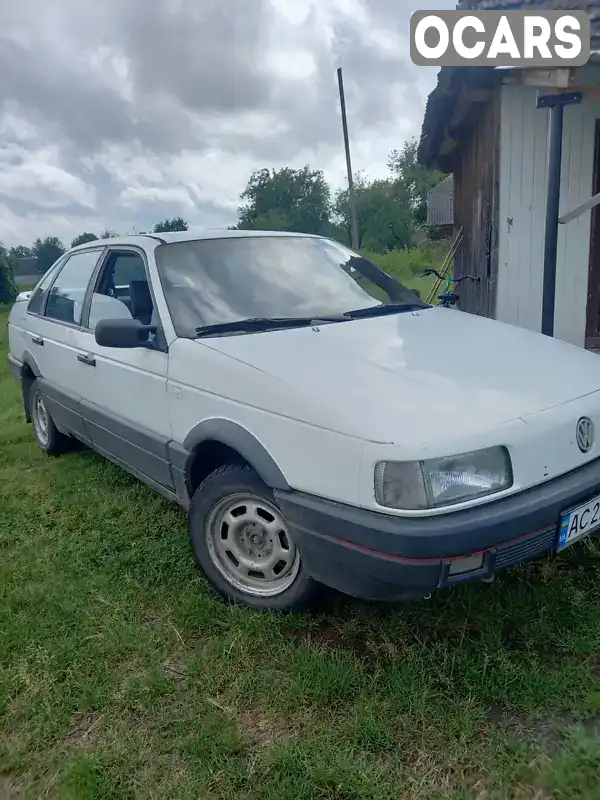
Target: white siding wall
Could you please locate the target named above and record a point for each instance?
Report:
(523, 167)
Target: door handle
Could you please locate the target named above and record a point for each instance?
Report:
(37, 340)
(86, 358)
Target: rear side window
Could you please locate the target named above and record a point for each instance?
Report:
(65, 299)
(36, 302)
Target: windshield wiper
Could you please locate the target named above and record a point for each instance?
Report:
(387, 308)
(256, 324)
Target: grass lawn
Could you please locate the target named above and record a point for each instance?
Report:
(122, 676)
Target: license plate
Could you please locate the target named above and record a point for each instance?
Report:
(578, 522)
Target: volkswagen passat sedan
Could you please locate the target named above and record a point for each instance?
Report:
(300, 404)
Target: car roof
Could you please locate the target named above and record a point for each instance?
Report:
(186, 236)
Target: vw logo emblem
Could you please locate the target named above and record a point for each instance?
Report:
(585, 434)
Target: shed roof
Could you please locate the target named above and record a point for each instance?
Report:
(448, 112)
(458, 88)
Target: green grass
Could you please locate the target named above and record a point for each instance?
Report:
(407, 265)
(122, 676)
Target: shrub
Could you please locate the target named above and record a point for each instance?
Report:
(8, 290)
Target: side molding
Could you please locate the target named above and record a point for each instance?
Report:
(243, 442)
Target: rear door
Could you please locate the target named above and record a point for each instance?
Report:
(124, 391)
(53, 334)
(22, 318)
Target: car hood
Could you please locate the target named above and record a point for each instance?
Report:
(433, 370)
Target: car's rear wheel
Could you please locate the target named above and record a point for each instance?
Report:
(47, 435)
(241, 542)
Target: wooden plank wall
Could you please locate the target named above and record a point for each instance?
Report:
(476, 209)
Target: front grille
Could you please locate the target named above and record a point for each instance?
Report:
(527, 548)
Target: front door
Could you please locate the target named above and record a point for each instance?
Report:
(592, 328)
(124, 391)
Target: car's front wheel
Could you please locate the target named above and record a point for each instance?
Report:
(47, 435)
(241, 542)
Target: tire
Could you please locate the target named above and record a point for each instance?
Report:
(47, 435)
(257, 534)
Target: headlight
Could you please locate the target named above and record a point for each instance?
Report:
(437, 482)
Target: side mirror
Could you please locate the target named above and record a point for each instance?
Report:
(122, 333)
(22, 297)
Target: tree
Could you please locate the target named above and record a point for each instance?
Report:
(8, 290)
(418, 180)
(286, 199)
(83, 238)
(167, 225)
(20, 251)
(22, 260)
(384, 215)
(108, 234)
(47, 251)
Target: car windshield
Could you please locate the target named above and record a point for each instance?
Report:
(223, 280)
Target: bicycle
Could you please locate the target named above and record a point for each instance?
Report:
(448, 298)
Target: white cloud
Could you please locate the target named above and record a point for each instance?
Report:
(34, 175)
(110, 117)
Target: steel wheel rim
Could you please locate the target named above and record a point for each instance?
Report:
(40, 419)
(249, 544)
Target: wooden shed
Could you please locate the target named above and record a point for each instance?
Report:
(440, 207)
(483, 126)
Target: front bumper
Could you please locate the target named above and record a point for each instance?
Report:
(382, 557)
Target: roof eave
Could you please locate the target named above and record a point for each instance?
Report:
(449, 106)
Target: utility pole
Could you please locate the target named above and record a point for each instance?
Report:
(348, 162)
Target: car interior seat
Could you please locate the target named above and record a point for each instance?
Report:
(140, 301)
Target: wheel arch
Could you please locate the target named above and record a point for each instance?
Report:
(234, 438)
(29, 363)
(29, 372)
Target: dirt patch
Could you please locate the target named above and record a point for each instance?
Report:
(546, 732)
(328, 635)
(10, 788)
(263, 728)
(259, 727)
(84, 729)
(174, 669)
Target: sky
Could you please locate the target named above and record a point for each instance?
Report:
(121, 113)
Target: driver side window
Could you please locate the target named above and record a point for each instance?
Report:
(122, 290)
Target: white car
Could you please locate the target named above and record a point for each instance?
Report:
(315, 433)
